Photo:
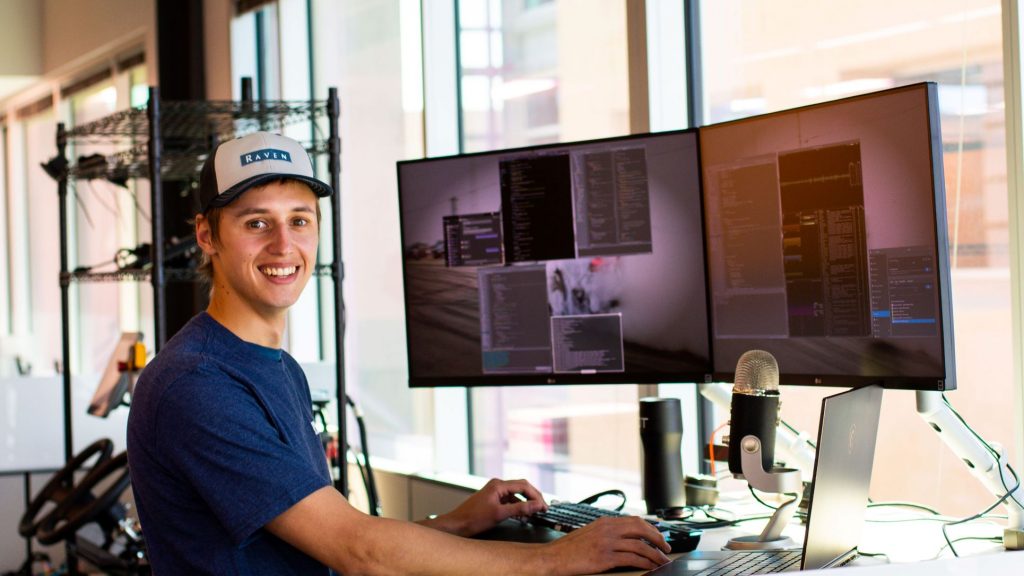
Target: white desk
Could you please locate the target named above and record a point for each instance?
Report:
(984, 565)
(911, 545)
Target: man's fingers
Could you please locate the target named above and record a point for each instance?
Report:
(522, 487)
(643, 549)
(638, 528)
(529, 490)
(528, 508)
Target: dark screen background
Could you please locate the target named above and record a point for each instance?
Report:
(823, 245)
(656, 284)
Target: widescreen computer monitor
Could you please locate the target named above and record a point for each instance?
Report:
(568, 263)
(827, 246)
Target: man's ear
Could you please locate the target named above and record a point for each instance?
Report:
(204, 236)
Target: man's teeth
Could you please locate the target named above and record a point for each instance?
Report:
(279, 271)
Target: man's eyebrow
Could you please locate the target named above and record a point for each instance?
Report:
(256, 210)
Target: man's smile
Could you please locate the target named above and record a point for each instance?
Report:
(278, 271)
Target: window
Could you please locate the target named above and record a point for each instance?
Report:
(102, 219)
(534, 73)
(105, 215)
(754, 62)
(6, 311)
(371, 52)
(541, 72)
(256, 50)
(35, 243)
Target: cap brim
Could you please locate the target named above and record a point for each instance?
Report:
(319, 188)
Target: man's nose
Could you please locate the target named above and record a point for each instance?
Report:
(281, 240)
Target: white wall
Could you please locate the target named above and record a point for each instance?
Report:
(76, 28)
(217, 47)
(21, 49)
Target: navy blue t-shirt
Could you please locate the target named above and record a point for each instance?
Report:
(220, 442)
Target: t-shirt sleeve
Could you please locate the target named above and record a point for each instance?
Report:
(217, 434)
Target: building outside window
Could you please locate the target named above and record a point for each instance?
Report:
(755, 63)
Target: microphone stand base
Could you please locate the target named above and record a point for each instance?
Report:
(755, 543)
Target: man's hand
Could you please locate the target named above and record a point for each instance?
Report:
(608, 543)
(498, 500)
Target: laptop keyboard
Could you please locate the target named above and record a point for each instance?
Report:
(755, 563)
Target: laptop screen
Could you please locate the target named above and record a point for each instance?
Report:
(842, 474)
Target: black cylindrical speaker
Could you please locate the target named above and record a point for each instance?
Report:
(661, 432)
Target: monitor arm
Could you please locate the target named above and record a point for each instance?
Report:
(993, 473)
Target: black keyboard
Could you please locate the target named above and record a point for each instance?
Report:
(568, 516)
(755, 563)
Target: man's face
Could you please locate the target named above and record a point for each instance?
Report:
(267, 247)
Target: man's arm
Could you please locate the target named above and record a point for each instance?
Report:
(326, 527)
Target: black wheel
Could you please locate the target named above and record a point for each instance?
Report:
(81, 506)
(56, 491)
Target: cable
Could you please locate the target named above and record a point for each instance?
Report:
(933, 519)
(711, 446)
(712, 513)
(368, 478)
(712, 521)
(109, 208)
(135, 200)
(759, 501)
(81, 206)
(961, 539)
(595, 497)
(872, 554)
(362, 469)
(92, 267)
(797, 432)
(707, 512)
(798, 514)
(750, 519)
(945, 534)
(905, 505)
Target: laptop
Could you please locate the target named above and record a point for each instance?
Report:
(839, 496)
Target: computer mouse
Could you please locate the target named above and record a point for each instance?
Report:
(678, 538)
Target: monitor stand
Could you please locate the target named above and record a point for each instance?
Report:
(987, 462)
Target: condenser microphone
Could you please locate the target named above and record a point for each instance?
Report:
(755, 407)
(661, 432)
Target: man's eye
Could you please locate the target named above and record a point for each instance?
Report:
(301, 221)
(256, 224)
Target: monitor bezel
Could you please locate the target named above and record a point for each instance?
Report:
(929, 90)
(602, 378)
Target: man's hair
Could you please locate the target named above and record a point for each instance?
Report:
(213, 215)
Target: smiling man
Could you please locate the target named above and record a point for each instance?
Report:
(229, 475)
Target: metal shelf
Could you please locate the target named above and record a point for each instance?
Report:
(130, 275)
(202, 121)
(176, 165)
(145, 274)
(169, 140)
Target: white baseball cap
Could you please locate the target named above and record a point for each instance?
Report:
(257, 158)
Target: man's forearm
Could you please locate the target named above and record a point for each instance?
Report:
(327, 528)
